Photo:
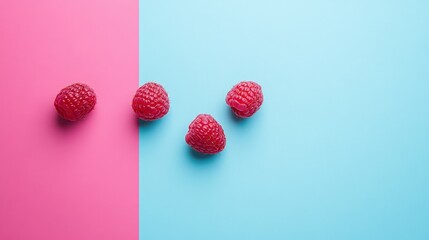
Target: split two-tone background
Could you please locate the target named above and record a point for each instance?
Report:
(339, 150)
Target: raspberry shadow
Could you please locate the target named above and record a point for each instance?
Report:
(64, 124)
(200, 156)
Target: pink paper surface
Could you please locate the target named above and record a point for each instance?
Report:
(59, 180)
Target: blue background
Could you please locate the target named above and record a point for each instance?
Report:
(340, 147)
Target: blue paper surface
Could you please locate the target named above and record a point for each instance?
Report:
(340, 147)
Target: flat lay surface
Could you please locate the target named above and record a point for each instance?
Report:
(61, 180)
(339, 148)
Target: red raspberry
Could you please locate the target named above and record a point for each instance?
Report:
(75, 101)
(151, 102)
(205, 135)
(245, 99)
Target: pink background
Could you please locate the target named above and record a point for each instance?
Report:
(59, 180)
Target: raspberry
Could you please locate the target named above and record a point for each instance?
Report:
(151, 102)
(206, 135)
(75, 101)
(245, 99)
